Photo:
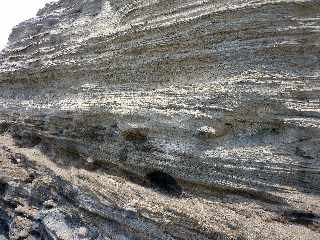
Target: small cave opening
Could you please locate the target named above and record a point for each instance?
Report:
(164, 182)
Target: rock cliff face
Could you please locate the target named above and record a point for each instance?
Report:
(158, 119)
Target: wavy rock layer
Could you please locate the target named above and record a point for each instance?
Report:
(162, 120)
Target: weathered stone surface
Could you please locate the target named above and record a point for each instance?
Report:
(162, 120)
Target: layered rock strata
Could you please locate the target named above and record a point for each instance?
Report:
(162, 120)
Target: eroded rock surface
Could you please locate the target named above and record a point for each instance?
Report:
(162, 120)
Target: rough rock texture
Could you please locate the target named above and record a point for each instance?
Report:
(162, 119)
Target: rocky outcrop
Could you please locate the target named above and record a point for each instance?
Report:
(162, 120)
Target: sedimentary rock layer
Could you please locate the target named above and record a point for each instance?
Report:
(200, 100)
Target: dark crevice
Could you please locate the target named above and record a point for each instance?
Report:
(302, 217)
(4, 227)
(30, 178)
(39, 231)
(164, 182)
(203, 190)
(24, 215)
(4, 223)
(3, 188)
(13, 204)
(301, 153)
(26, 139)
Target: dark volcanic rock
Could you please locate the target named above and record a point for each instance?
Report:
(103, 102)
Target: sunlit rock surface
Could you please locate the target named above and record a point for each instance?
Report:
(162, 120)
